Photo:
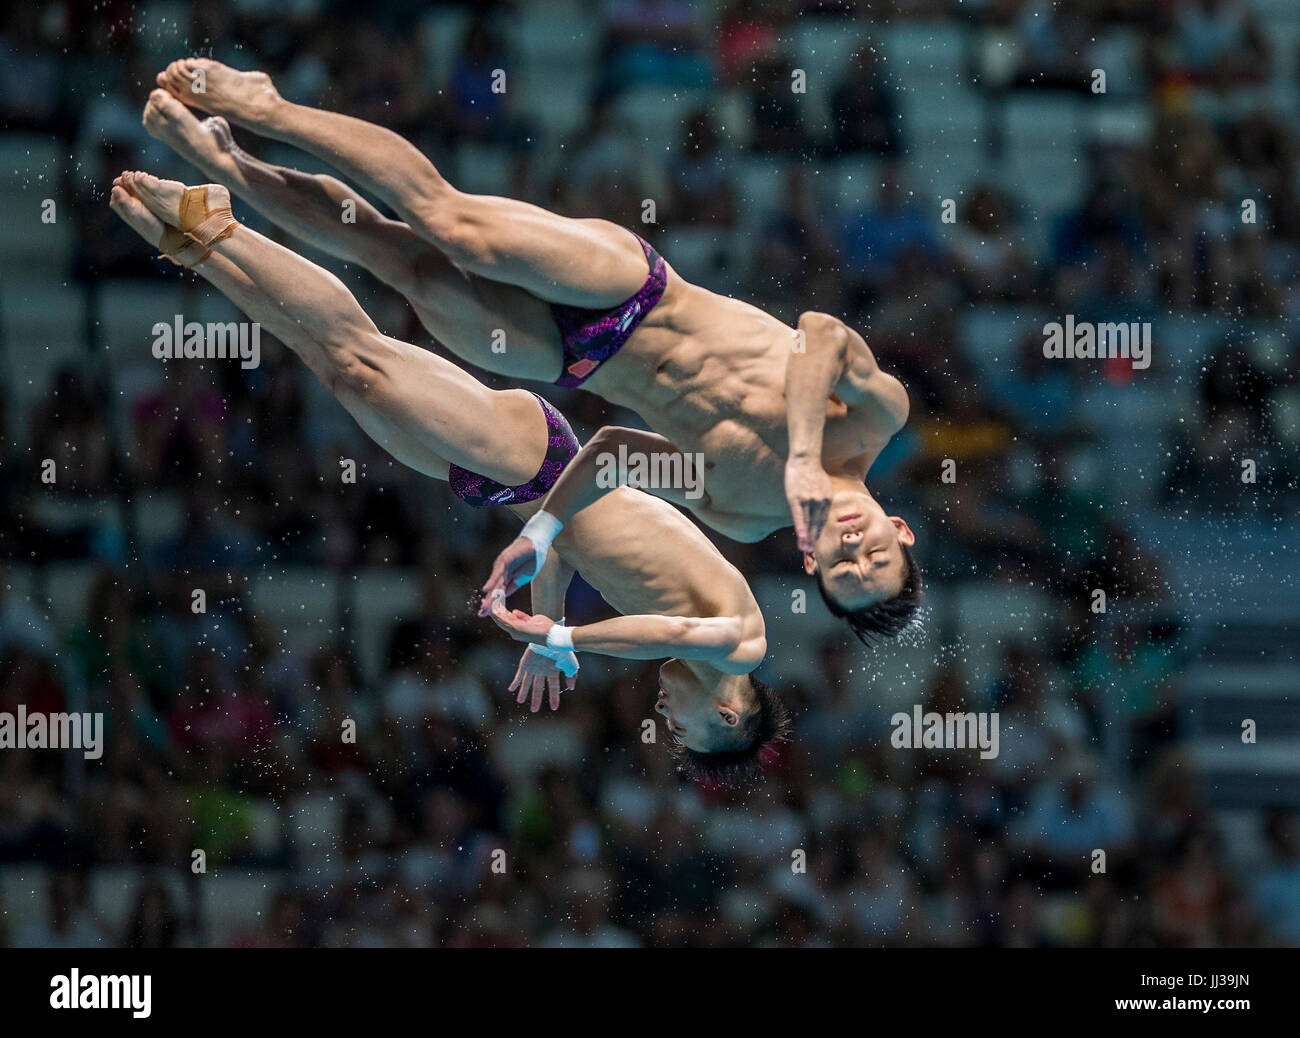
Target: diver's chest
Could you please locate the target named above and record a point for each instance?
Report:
(737, 462)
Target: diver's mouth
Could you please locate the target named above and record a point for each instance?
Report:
(851, 517)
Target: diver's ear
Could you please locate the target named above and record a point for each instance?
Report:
(810, 563)
(729, 717)
(905, 534)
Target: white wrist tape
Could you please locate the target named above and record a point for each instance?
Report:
(541, 529)
(560, 637)
(565, 660)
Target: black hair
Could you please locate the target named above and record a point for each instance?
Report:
(761, 728)
(885, 619)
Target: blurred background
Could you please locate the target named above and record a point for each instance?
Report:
(1119, 730)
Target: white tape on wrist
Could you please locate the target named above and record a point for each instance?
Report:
(541, 529)
(560, 637)
(565, 660)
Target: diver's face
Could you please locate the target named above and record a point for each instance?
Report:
(699, 714)
(860, 551)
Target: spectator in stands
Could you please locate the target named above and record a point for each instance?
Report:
(1070, 818)
(1275, 892)
(286, 922)
(22, 626)
(1235, 423)
(70, 426)
(111, 637)
(68, 922)
(179, 427)
(585, 920)
(31, 77)
(1189, 897)
(1219, 42)
(700, 181)
(1109, 215)
(657, 42)
(1039, 394)
(776, 110)
(1051, 46)
(987, 248)
(864, 114)
(607, 174)
(153, 922)
(873, 239)
(381, 83)
(480, 99)
(793, 252)
(1033, 731)
(748, 33)
(103, 251)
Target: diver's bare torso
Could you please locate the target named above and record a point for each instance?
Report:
(705, 371)
(644, 556)
(708, 372)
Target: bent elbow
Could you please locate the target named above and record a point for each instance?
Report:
(823, 329)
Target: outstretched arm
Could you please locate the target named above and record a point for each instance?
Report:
(830, 361)
(715, 639)
(649, 637)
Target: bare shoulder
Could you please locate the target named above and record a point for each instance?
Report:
(889, 397)
(867, 388)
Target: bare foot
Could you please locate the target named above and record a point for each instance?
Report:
(217, 127)
(245, 98)
(163, 197)
(135, 215)
(207, 144)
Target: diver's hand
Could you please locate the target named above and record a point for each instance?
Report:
(538, 675)
(520, 626)
(513, 568)
(808, 490)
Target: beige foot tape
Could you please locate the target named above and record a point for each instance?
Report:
(207, 226)
(181, 249)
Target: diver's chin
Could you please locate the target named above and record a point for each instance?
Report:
(853, 499)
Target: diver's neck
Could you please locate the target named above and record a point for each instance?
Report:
(710, 676)
(854, 484)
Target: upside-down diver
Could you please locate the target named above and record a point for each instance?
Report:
(787, 419)
(679, 597)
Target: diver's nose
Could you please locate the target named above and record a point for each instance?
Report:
(851, 536)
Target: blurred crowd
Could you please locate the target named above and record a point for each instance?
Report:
(216, 720)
